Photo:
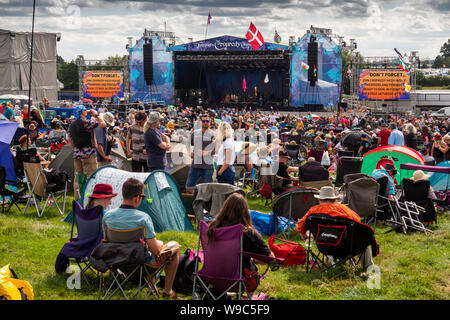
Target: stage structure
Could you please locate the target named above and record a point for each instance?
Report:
(226, 70)
(15, 64)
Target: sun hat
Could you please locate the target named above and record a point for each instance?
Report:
(247, 148)
(102, 190)
(108, 118)
(420, 175)
(326, 192)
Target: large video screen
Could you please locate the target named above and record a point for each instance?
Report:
(103, 84)
(384, 84)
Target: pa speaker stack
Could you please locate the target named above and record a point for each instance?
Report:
(312, 61)
(148, 61)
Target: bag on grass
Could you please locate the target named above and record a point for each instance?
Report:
(12, 288)
(293, 253)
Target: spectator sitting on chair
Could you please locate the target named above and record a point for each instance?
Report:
(327, 205)
(389, 171)
(312, 170)
(101, 196)
(127, 217)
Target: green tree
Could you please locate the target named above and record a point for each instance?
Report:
(445, 49)
(68, 74)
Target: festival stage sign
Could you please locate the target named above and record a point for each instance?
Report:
(102, 84)
(226, 43)
(384, 84)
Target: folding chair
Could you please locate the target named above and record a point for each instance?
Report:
(407, 216)
(292, 205)
(222, 269)
(347, 165)
(89, 235)
(417, 192)
(122, 272)
(39, 189)
(6, 190)
(342, 239)
(361, 195)
(383, 206)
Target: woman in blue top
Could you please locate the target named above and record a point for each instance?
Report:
(101, 196)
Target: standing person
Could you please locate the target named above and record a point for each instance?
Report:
(128, 217)
(8, 113)
(35, 116)
(82, 139)
(156, 143)
(103, 143)
(202, 164)
(364, 146)
(135, 143)
(383, 135)
(438, 148)
(226, 154)
(411, 136)
(396, 137)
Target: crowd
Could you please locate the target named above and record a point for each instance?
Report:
(211, 136)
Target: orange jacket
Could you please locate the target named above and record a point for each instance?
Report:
(331, 209)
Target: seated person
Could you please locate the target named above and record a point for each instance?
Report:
(235, 211)
(101, 196)
(24, 145)
(283, 169)
(328, 205)
(389, 171)
(312, 170)
(127, 217)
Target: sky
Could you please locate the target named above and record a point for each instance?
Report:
(97, 29)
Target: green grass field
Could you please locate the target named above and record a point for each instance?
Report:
(413, 266)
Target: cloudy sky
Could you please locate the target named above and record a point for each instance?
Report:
(100, 28)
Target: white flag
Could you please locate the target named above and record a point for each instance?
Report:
(266, 80)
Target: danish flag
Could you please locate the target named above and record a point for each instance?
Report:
(254, 37)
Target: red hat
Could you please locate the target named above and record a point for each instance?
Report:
(102, 190)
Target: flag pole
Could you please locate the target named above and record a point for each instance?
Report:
(27, 125)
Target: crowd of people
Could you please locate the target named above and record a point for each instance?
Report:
(210, 135)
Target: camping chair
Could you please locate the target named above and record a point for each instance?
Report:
(316, 184)
(222, 274)
(209, 198)
(292, 205)
(407, 216)
(317, 154)
(417, 192)
(383, 206)
(89, 235)
(123, 272)
(347, 165)
(8, 191)
(40, 189)
(361, 195)
(342, 239)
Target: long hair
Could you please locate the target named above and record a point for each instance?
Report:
(234, 211)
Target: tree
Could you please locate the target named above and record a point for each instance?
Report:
(68, 74)
(445, 49)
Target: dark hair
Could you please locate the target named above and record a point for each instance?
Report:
(132, 188)
(234, 211)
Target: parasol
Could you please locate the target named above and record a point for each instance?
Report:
(353, 138)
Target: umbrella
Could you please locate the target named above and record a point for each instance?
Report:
(88, 101)
(315, 116)
(7, 130)
(353, 138)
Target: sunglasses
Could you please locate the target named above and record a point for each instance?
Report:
(142, 196)
(205, 121)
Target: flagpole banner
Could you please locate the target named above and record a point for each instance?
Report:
(102, 84)
(384, 84)
(162, 88)
(327, 90)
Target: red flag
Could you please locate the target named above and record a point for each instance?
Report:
(254, 37)
(209, 18)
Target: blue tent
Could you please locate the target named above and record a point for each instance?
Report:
(7, 131)
(440, 181)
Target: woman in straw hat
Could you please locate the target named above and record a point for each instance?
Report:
(419, 175)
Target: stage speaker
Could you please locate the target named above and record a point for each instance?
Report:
(312, 61)
(148, 62)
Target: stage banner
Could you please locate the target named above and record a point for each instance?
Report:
(226, 43)
(102, 84)
(383, 84)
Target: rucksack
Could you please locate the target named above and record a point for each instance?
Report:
(12, 288)
(266, 190)
(293, 253)
(56, 179)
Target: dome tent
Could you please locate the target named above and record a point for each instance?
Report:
(399, 154)
(163, 202)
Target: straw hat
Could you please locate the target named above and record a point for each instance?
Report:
(420, 175)
(326, 192)
(108, 118)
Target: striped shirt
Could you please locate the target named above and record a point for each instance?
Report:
(87, 152)
(136, 134)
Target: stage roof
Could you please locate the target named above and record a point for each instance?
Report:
(226, 43)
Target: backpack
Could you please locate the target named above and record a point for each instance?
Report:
(12, 288)
(56, 179)
(266, 190)
(293, 253)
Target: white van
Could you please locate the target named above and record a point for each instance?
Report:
(441, 113)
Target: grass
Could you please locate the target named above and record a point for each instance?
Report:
(413, 266)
